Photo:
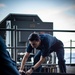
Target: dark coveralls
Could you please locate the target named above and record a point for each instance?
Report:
(7, 65)
(48, 45)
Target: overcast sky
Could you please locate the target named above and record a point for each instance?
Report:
(60, 12)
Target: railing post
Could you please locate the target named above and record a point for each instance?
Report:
(70, 51)
(15, 43)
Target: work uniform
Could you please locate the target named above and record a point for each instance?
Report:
(7, 65)
(47, 46)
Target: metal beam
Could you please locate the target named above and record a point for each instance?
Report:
(51, 30)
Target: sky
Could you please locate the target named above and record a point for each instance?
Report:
(60, 12)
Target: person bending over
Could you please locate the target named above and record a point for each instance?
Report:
(46, 44)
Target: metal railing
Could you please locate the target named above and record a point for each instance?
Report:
(48, 30)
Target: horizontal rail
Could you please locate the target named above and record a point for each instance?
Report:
(3, 29)
(26, 46)
(16, 47)
(47, 65)
(52, 74)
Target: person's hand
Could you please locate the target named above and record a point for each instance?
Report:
(21, 72)
(29, 72)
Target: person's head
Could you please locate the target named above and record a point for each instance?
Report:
(34, 39)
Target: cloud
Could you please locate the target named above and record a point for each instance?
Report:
(57, 15)
(2, 5)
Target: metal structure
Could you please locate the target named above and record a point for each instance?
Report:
(18, 25)
(19, 47)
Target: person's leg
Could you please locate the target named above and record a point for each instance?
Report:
(36, 59)
(6, 64)
(61, 61)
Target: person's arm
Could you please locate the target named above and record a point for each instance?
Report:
(24, 60)
(42, 59)
(27, 54)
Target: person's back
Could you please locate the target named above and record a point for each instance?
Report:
(7, 65)
(47, 37)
